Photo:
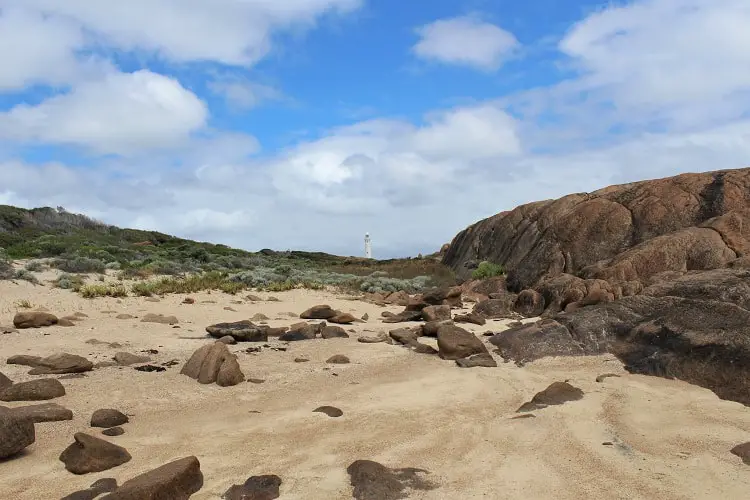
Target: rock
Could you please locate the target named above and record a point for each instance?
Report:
(319, 312)
(34, 390)
(254, 298)
(24, 360)
(273, 299)
(99, 487)
(529, 303)
(66, 322)
(207, 365)
(230, 309)
(430, 329)
(108, 417)
(241, 331)
(495, 308)
(338, 359)
(91, 454)
(259, 317)
(373, 339)
(255, 488)
(152, 299)
(47, 412)
(114, 431)
(293, 337)
(472, 317)
(150, 368)
(331, 332)
(456, 343)
(58, 364)
(159, 318)
(374, 481)
(308, 330)
(601, 378)
(16, 432)
(556, 394)
(331, 411)
(124, 316)
(365, 317)
(176, 480)
(399, 298)
(343, 319)
(127, 359)
(485, 360)
(530, 342)
(404, 317)
(5, 382)
(188, 300)
(34, 319)
(228, 340)
(742, 451)
(421, 348)
(301, 360)
(404, 336)
(436, 313)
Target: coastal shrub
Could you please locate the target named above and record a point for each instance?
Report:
(34, 266)
(102, 290)
(69, 282)
(25, 275)
(79, 265)
(6, 267)
(487, 270)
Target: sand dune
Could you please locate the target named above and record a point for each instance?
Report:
(669, 440)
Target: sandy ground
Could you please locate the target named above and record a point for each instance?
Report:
(671, 439)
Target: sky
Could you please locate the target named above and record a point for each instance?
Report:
(303, 124)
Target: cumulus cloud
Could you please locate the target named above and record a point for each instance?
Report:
(244, 94)
(466, 41)
(121, 113)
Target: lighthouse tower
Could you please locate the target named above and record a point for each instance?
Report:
(368, 246)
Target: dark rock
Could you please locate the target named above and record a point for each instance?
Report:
(34, 319)
(319, 312)
(62, 363)
(293, 337)
(97, 488)
(24, 360)
(456, 343)
(176, 480)
(255, 488)
(331, 411)
(343, 319)
(743, 451)
(150, 368)
(374, 481)
(338, 359)
(529, 303)
(331, 332)
(495, 308)
(404, 336)
(556, 394)
(114, 431)
(436, 313)
(34, 390)
(404, 317)
(47, 412)
(241, 331)
(127, 359)
(307, 330)
(91, 454)
(365, 317)
(5, 382)
(430, 329)
(373, 339)
(301, 360)
(601, 378)
(474, 318)
(484, 360)
(16, 432)
(421, 348)
(108, 417)
(530, 342)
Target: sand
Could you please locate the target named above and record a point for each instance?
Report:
(669, 439)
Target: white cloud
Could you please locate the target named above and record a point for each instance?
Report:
(244, 94)
(122, 113)
(467, 41)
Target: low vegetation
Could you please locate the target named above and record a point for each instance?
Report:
(162, 264)
(487, 270)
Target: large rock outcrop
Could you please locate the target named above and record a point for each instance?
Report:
(628, 232)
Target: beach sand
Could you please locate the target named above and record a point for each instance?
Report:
(667, 439)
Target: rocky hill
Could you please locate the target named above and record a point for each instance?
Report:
(654, 271)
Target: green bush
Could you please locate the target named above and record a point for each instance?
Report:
(34, 266)
(6, 267)
(487, 270)
(80, 265)
(25, 275)
(94, 291)
(69, 282)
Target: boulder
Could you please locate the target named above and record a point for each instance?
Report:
(241, 331)
(456, 343)
(176, 480)
(34, 319)
(255, 488)
(16, 432)
(405, 336)
(114, 431)
(332, 332)
(24, 360)
(529, 303)
(90, 454)
(430, 329)
(108, 417)
(474, 318)
(319, 312)
(207, 366)
(436, 313)
(34, 390)
(61, 363)
(343, 319)
(304, 331)
(47, 412)
(404, 316)
(495, 308)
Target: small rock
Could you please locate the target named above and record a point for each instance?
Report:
(66, 322)
(16, 432)
(556, 394)
(601, 378)
(373, 339)
(176, 480)
(127, 359)
(150, 368)
(273, 299)
(331, 411)
(188, 300)
(301, 360)
(259, 317)
(256, 380)
(47, 412)
(159, 318)
(365, 317)
(484, 360)
(374, 481)
(124, 316)
(230, 309)
(91, 454)
(5, 382)
(108, 417)
(61, 363)
(742, 451)
(34, 390)
(421, 348)
(114, 431)
(214, 363)
(331, 332)
(34, 319)
(338, 359)
(473, 318)
(319, 312)
(343, 319)
(255, 488)
(228, 340)
(255, 298)
(99, 487)
(241, 331)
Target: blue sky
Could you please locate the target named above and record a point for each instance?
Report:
(305, 123)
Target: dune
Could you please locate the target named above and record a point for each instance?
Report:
(630, 436)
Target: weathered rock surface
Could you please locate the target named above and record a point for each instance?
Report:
(127, 359)
(213, 363)
(343, 319)
(474, 318)
(176, 480)
(46, 412)
(332, 332)
(108, 417)
(495, 308)
(338, 359)
(477, 360)
(374, 481)
(331, 411)
(59, 364)
(114, 431)
(456, 343)
(529, 303)
(16, 432)
(97, 488)
(373, 339)
(436, 313)
(159, 318)
(5, 382)
(264, 487)
(742, 451)
(34, 390)
(241, 331)
(319, 312)
(556, 394)
(34, 319)
(91, 454)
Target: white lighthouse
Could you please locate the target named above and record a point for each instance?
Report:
(368, 246)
